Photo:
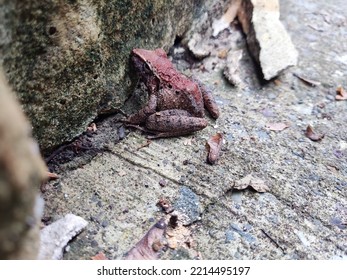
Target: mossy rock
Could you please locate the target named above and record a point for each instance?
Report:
(68, 61)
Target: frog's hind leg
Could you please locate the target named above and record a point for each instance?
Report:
(209, 101)
(175, 122)
(141, 116)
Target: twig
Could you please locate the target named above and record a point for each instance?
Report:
(56, 152)
(273, 241)
(309, 82)
(144, 145)
(122, 112)
(52, 176)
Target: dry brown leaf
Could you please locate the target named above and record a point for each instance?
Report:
(341, 93)
(277, 82)
(149, 247)
(309, 82)
(214, 145)
(52, 176)
(223, 53)
(49, 176)
(309, 133)
(277, 126)
(253, 182)
(99, 257)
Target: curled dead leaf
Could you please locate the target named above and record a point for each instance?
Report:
(49, 176)
(277, 82)
(214, 146)
(150, 246)
(277, 126)
(311, 83)
(253, 182)
(309, 133)
(341, 94)
(52, 176)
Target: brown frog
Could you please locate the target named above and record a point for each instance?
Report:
(176, 103)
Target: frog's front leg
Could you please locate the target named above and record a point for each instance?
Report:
(173, 122)
(141, 116)
(209, 101)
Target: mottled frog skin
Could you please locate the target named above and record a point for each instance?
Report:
(176, 103)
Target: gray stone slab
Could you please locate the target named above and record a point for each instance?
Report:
(302, 216)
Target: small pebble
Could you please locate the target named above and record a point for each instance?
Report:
(162, 183)
(104, 223)
(121, 132)
(94, 243)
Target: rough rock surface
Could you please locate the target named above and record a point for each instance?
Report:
(55, 237)
(268, 41)
(116, 186)
(68, 60)
(21, 173)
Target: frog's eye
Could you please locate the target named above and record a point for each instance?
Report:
(146, 67)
